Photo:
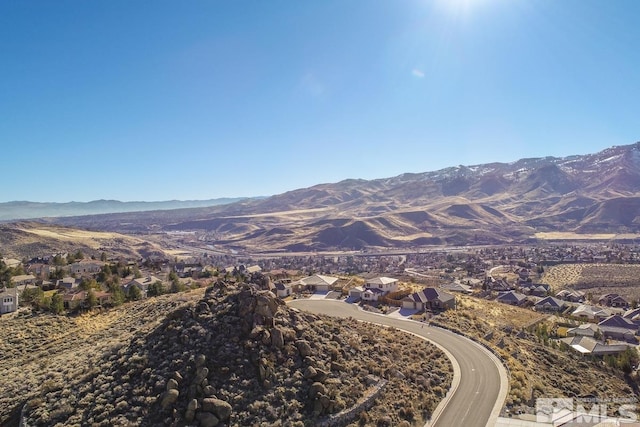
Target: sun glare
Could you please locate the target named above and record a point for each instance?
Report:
(459, 8)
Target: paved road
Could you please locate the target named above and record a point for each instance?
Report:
(481, 391)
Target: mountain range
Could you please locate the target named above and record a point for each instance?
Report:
(28, 210)
(479, 204)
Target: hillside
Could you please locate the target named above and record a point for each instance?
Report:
(238, 356)
(480, 204)
(30, 239)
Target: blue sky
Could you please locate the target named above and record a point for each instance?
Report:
(160, 100)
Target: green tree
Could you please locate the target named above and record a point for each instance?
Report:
(57, 304)
(87, 284)
(33, 296)
(104, 274)
(103, 257)
(155, 289)
(136, 272)
(177, 286)
(92, 300)
(117, 296)
(134, 293)
(56, 274)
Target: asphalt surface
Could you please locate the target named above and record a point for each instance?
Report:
(480, 393)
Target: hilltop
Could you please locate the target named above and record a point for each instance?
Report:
(237, 356)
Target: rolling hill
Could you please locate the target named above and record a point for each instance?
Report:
(479, 204)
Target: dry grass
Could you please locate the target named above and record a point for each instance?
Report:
(46, 351)
(91, 239)
(29, 239)
(597, 279)
(536, 368)
(493, 313)
(562, 276)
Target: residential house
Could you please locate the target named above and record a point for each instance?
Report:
(189, 271)
(498, 285)
(282, 274)
(74, 300)
(457, 287)
(550, 304)
(46, 285)
(283, 289)
(430, 299)
(590, 312)
(589, 345)
(22, 288)
(511, 298)
(571, 295)
(141, 283)
(8, 300)
(633, 315)
(535, 289)
(24, 279)
(40, 269)
(586, 329)
(253, 269)
(387, 284)
(380, 286)
(242, 269)
(68, 283)
(372, 294)
(11, 263)
(523, 273)
(83, 268)
(356, 293)
(619, 328)
(316, 283)
(103, 298)
(613, 300)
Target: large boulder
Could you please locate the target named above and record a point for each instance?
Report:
(317, 389)
(218, 407)
(207, 419)
(191, 410)
(277, 338)
(170, 398)
(304, 348)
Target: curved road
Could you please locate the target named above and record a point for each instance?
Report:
(478, 397)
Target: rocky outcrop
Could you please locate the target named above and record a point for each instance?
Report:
(241, 357)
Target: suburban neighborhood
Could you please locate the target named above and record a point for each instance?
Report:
(431, 288)
(70, 282)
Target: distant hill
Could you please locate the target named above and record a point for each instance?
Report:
(480, 204)
(26, 239)
(28, 210)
